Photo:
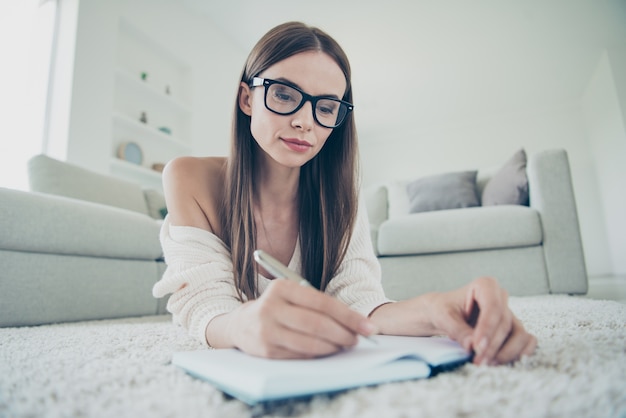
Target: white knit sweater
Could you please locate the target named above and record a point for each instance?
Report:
(199, 275)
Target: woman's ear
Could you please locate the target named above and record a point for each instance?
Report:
(245, 99)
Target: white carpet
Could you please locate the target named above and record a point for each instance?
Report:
(120, 368)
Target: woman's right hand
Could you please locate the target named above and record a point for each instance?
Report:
(293, 321)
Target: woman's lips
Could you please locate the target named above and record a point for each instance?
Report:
(297, 144)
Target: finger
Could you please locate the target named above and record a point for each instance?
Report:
(494, 320)
(530, 348)
(314, 324)
(459, 331)
(270, 338)
(514, 345)
(502, 332)
(293, 344)
(452, 321)
(277, 351)
(531, 345)
(296, 327)
(520, 344)
(315, 300)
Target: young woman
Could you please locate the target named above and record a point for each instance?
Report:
(289, 188)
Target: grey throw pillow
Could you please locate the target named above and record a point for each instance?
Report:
(509, 185)
(443, 191)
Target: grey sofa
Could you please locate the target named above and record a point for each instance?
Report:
(85, 246)
(81, 246)
(531, 250)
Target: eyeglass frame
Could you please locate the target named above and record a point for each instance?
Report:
(267, 82)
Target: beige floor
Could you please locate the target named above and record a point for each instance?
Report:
(608, 287)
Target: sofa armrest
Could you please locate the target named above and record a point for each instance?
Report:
(376, 205)
(48, 224)
(552, 195)
(66, 259)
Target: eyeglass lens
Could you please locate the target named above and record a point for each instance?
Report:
(283, 99)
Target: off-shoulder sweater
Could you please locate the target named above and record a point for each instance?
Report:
(199, 275)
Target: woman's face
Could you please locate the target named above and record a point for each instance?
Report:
(292, 140)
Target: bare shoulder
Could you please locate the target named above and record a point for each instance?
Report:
(195, 169)
(193, 188)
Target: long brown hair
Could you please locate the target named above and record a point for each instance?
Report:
(327, 190)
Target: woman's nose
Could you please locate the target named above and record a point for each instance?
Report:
(303, 118)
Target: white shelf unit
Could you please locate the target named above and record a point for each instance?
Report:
(139, 174)
(153, 84)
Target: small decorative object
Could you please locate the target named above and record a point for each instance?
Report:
(158, 167)
(166, 130)
(167, 90)
(144, 76)
(143, 118)
(131, 152)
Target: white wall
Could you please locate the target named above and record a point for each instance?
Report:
(464, 86)
(81, 122)
(604, 110)
(451, 122)
(215, 60)
(80, 128)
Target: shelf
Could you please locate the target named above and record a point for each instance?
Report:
(164, 96)
(151, 92)
(141, 174)
(145, 129)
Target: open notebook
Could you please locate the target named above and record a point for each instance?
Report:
(253, 379)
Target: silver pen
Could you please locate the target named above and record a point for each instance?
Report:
(279, 270)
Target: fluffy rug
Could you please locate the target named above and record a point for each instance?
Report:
(121, 368)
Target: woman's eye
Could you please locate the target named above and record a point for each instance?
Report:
(326, 109)
(283, 95)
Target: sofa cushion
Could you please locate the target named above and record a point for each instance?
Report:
(443, 191)
(398, 199)
(47, 175)
(509, 185)
(477, 228)
(376, 206)
(75, 227)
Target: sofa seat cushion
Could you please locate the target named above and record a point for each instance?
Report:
(467, 229)
(75, 227)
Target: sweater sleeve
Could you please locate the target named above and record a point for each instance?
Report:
(358, 279)
(199, 276)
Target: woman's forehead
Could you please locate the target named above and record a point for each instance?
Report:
(315, 72)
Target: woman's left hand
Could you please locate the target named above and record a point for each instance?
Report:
(478, 317)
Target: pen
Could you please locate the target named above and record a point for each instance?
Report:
(279, 270)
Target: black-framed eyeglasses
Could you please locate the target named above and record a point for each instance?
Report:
(285, 99)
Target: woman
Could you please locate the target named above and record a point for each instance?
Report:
(289, 188)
